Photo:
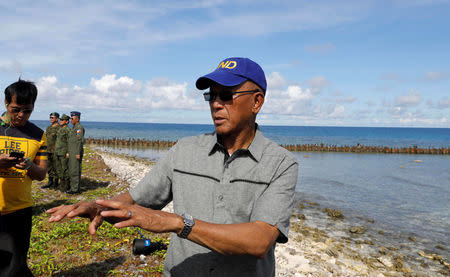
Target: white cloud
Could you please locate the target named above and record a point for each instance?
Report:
(413, 118)
(317, 84)
(111, 93)
(443, 103)
(115, 27)
(299, 102)
(347, 99)
(109, 86)
(338, 111)
(12, 66)
(275, 81)
(163, 94)
(410, 100)
(436, 76)
(292, 100)
(285, 99)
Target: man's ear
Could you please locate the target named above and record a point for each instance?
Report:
(258, 101)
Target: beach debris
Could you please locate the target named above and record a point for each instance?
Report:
(305, 156)
(418, 161)
(300, 206)
(370, 220)
(299, 216)
(412, 238)
(313, 203)
(435, 257)
(385, 260)
(296, 227)
(335, 214)
(399, 266)
(358, 229)
(369, 242)
(142, 258)
(382, 250)
(332, 252)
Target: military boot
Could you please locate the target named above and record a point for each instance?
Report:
(64, 185)
(55, 183)
(49, 184)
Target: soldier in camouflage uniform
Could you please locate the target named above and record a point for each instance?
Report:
(62, 153)
(51, 158)
(76, 141)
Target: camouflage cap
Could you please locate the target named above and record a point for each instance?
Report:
(65, 117)
(55, 114)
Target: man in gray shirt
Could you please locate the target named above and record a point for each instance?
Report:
(232, 190)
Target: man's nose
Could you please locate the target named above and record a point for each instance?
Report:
(216, 103)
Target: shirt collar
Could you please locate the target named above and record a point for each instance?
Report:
(255, 149)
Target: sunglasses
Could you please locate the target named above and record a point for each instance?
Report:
(225, 95)
(18, 110)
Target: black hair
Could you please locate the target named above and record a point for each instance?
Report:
(25, 92)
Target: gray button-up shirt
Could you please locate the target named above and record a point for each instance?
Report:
(204, 181)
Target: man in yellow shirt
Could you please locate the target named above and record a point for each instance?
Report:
(23, 158)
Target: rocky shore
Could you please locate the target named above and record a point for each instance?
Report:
(325, 242)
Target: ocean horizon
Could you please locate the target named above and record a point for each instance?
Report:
(369, 136)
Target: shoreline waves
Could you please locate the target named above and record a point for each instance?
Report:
(325, 242)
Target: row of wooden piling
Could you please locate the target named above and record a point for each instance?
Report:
(366, 149)
(131, 142)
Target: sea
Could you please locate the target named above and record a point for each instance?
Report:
(406, 193)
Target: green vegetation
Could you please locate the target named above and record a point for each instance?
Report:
(67, 249)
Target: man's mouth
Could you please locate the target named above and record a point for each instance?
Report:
(219, 120)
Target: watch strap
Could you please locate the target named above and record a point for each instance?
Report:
(188, 224)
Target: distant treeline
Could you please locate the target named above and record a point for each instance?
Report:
(291, 147)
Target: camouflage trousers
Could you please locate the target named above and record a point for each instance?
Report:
(51, 165)
(62, 168)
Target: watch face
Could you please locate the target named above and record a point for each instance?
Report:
(188, 220)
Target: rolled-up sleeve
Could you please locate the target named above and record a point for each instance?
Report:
(275, 205)
(155, 189)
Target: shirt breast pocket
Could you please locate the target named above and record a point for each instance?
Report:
(242, 194)
(193, 192)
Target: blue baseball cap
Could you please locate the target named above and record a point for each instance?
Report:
(232, 72)
(75, 113)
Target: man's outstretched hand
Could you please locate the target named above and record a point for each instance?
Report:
(127, 215)
(82, 209)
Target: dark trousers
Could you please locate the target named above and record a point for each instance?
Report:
(15, 231)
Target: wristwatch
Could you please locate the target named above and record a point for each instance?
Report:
(188, 224)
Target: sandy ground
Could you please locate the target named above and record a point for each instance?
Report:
(322, 243)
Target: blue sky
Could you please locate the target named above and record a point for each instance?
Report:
(328, 63)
